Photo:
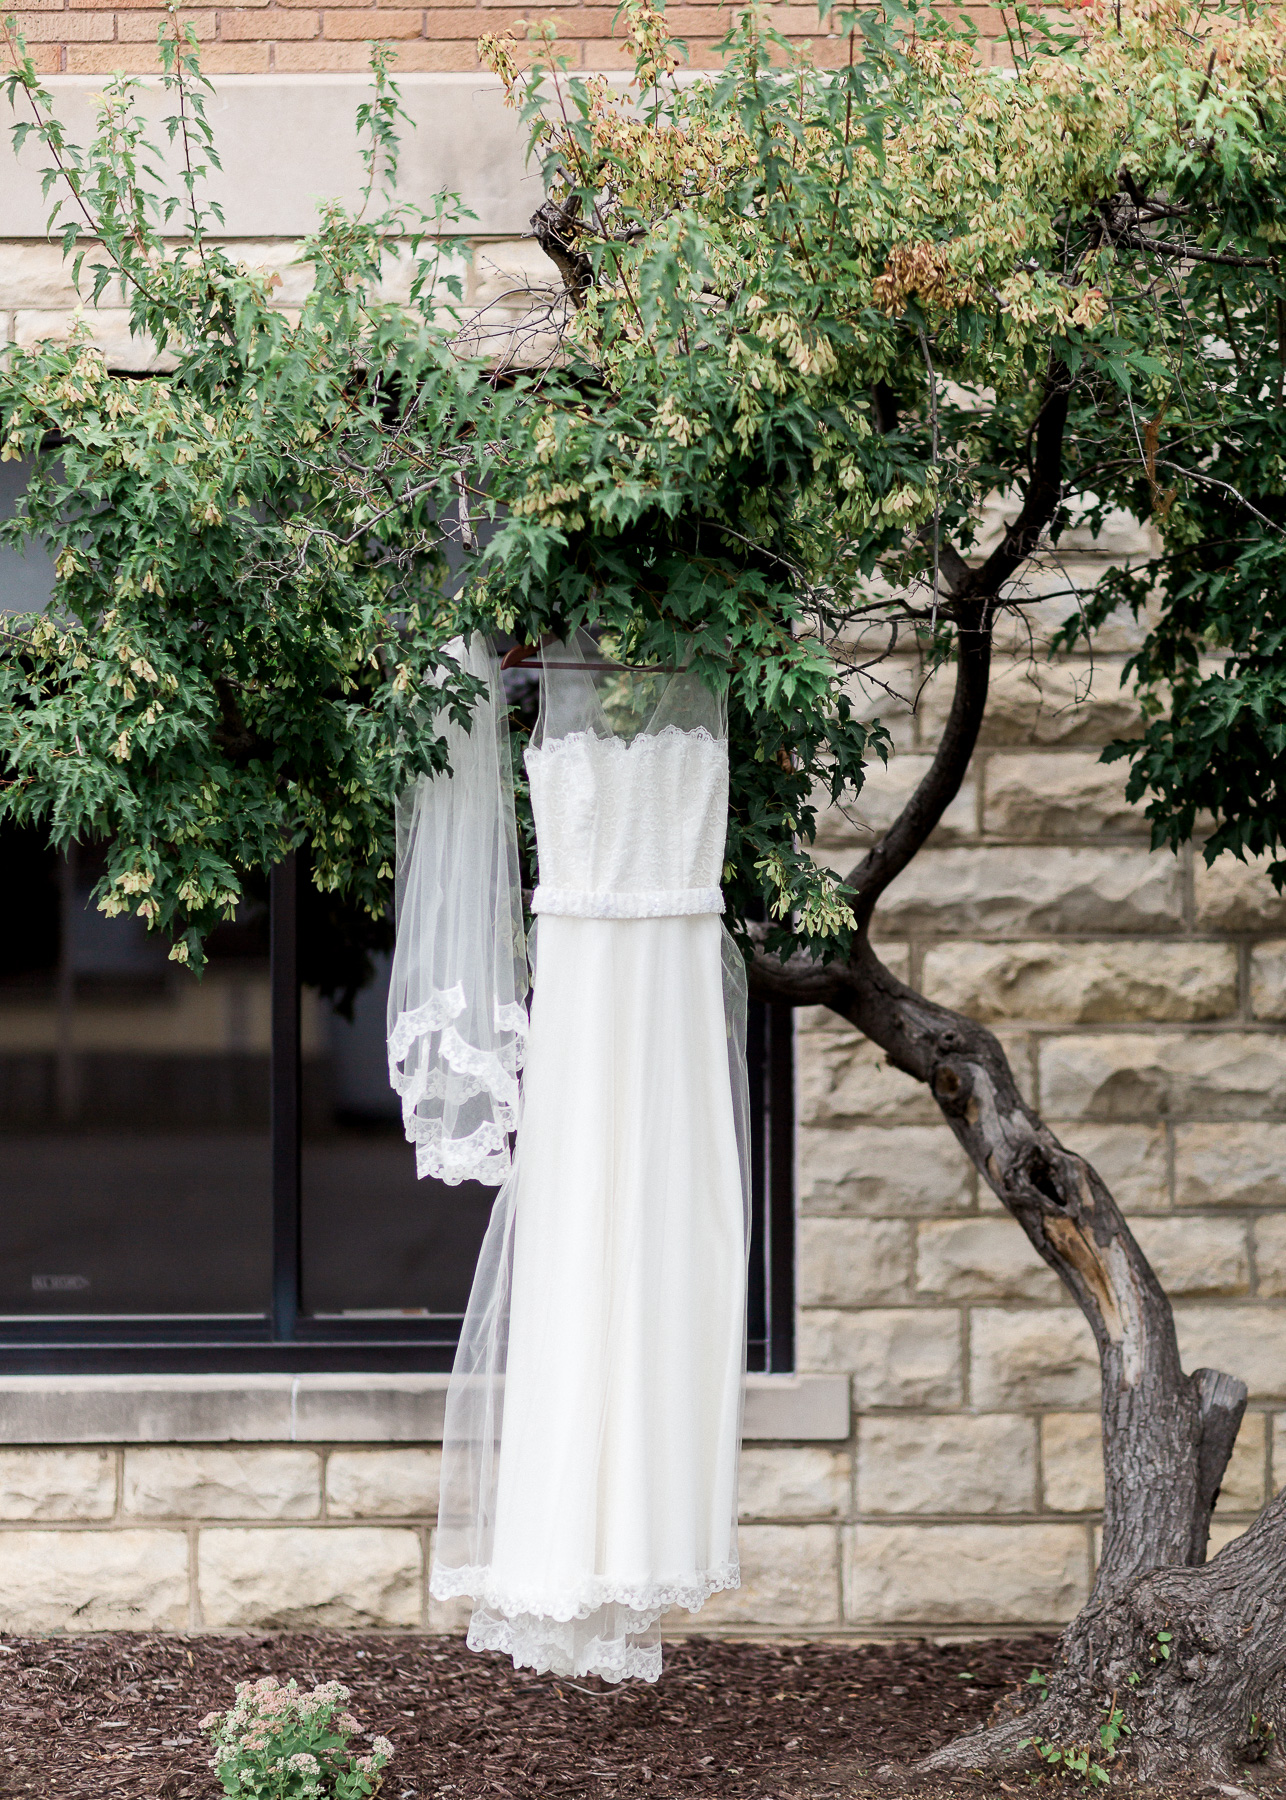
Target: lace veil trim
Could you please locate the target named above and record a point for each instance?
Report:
(456, 1022)
(638, 1597)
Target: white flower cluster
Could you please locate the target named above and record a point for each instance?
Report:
(282, 1743)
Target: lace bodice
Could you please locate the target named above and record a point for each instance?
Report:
(630, 829)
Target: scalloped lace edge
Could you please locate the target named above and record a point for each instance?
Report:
(614, 1659)
(610, 903)
(438, 1010)
(649, 1597)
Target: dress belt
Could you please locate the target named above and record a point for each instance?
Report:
(613, 903)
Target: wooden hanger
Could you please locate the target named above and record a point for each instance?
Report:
(523, 656)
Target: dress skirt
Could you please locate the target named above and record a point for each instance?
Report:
(594, 1418)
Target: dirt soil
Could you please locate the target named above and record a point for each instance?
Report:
(114, 1717)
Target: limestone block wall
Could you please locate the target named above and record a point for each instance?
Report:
(500, 280)
(278, 1502)
(1141, 999)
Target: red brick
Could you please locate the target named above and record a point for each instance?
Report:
(47, 59)
(237, 59)
(326, 57)
(266, 27)
(65, 28)
(341, 56)
(345, 22)
(142, 27)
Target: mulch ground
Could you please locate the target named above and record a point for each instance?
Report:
(115, 1717)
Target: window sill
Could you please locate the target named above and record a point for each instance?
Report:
(354, 1409)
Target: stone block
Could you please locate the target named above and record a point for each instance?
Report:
(1072, 1459)
(145, 1409)
(1222, 1533)
(450, 1615)
(508, 272)
(1058, 794)
(1230, 1165)
(1119, 537)
(1062, 889)
(981, 1259)
(369, 1409)
(1031, 1357)
(898, 1169)
(1064, 703)
(383, 1484)
(803, 1482)
(1071, 1456)
(899, 1356)
(853, 1262)
(885, 792)
(946, 1463)
(1034, 624)
(789, 1576)
(263, 256)
(110, 330)
(1130, 1158)
(1269, 1234)
(1196, 1257)
(1084, 983)
(964, 1574)
(93, 1581)
(801, 1409)
(1237, 896)
(1248, 1341)
(1243, 1486)
(294, 1578)
(222, 1484)
(842, 1077)
(1268, 979)
(1277, 1473)
(57, 1484)
(38, 276)
(1227, 1074)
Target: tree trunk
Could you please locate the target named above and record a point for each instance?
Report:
(1167, 1436)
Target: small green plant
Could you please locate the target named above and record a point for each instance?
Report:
(1038, 1679)
(1161, 1649)
(279, 1743)
(1079, 1759)
(1069, 1759)
(1260, 1739)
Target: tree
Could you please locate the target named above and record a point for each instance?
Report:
(811, 323)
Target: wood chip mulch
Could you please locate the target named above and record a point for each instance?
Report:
(115, 1717)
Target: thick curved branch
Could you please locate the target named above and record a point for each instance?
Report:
(922, 812)
(1044, 491)
(974, 593)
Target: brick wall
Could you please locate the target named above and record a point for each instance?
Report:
(94, 37)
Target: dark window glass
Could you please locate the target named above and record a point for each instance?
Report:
(377, 1242)
(134, 1160)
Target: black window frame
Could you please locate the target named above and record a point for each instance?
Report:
(288, 1340)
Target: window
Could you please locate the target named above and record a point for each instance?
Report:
(212, 1175)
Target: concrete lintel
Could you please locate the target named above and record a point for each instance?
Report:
(354, 1409)
(300, 128)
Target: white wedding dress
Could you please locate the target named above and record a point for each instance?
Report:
(593, 1420)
